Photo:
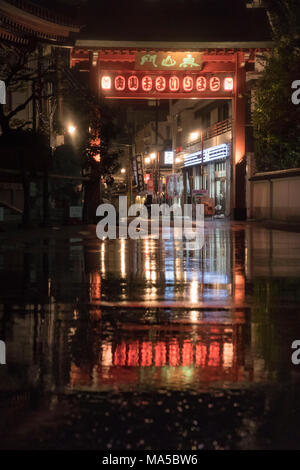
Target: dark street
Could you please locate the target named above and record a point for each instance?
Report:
(141, 344)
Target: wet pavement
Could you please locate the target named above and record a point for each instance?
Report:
(142, 344)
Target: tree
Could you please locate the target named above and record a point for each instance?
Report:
(24, 69)
(96, 128)
(276, 119)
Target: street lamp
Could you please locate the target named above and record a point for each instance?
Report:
(71, 129)
(123, 170)
(194, 136)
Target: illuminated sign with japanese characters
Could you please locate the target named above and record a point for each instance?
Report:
(146, 85)
(219, 152)
(169, 61)
(169, 156)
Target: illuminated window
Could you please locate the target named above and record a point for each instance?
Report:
(120, 83)
(160, 83)
(147, 83)
(174, 83)
(106, 83)
(201, 84)
(228, 84)
(214, 84)
(188, 83)
(133, 83)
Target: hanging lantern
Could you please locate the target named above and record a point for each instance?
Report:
(188, 83)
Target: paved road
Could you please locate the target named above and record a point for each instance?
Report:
(143, 344)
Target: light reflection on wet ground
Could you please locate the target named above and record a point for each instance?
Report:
(118, 341)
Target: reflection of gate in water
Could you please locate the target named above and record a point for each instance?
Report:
(188, 355)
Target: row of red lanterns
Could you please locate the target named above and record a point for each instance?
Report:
(160, 83)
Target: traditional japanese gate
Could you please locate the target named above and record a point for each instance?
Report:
(167, 70)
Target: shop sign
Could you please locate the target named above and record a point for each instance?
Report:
(199, 192)
(219, 152)
(140, 173)
(158, 84)
(169, 61)
(169, 157)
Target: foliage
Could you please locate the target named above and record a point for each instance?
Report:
(275, 118)
(21, 71)
(96, 127)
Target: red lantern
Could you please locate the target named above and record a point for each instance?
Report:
(160, 83)
(133, 83)
(174, 83)
(120, 83)
(228, 84)
(214, 84)
(201, 83)
(106, 82)
(147, 83)
(188, 83)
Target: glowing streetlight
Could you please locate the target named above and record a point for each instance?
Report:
(147, 160)
(194, 135)
(71, 129)
(152, 156)
(123, 170)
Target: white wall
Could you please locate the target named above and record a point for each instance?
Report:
(277, 199)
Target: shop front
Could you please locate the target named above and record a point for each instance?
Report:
(207, 179)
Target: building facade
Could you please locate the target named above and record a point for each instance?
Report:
(202, 145)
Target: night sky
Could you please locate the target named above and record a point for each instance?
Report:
(188, 20)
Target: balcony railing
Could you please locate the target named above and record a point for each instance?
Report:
(213, 131)
(217, 129)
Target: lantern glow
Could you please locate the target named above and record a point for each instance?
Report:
(147, 83)
(120, 83)
(133, 83)
(214, 84)
(201, 83)
(188, 83)
(160, 83)
(174, 83)
(106, 82)
(228, 84)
